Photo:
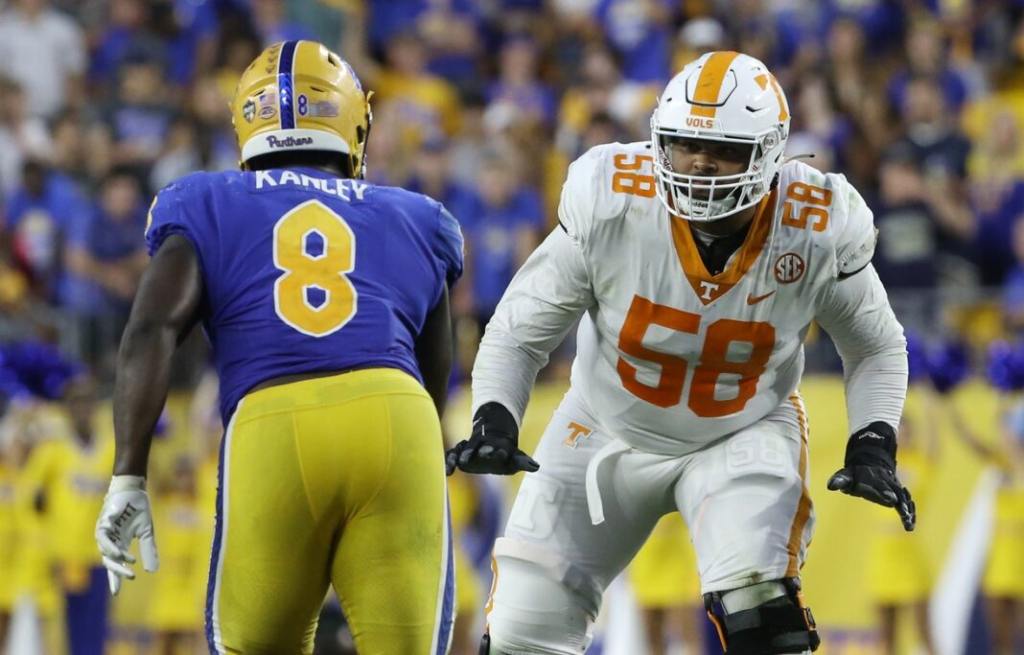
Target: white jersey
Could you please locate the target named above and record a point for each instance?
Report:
(670, 357)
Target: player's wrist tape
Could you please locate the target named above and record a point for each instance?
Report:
(872, 445)
(127, 483)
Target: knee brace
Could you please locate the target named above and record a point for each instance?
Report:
(781, 624)
(541, 603)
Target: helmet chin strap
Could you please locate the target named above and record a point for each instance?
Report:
(717, 207)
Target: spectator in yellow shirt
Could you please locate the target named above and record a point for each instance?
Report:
(8, 540)
(176, 611)
(1003, 580)
(68, 477)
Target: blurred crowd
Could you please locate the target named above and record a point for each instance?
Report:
(481, 104)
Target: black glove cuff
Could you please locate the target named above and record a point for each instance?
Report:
(873, 445)
(493, 421)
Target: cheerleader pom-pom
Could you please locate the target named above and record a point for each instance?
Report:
(948, 366)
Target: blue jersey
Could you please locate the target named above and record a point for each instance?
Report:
(307, 272)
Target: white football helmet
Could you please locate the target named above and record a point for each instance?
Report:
(722, 96)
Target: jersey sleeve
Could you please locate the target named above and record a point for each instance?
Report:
(449, 245)
(541, 304)
(855, 241)
(174, 211)
(870, 341)
(583, 194)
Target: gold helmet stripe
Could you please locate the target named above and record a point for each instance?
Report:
(709, 84)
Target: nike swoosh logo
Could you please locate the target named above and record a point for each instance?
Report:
(753, 300)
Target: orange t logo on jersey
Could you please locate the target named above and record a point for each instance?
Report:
(576, 432)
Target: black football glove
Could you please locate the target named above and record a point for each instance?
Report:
(870, 471)
(492, 447)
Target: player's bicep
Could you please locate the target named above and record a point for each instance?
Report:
(450, 246)
(555, 279)
(856, 242)
(540, 306)
(171, 290)
(856, 314)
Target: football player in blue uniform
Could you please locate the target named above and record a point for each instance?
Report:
(325, 300)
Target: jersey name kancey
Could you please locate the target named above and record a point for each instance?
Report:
(670, 356)
(306, 272)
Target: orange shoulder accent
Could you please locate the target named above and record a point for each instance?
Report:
(711, 287)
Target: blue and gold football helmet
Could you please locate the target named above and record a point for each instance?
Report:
(298, 95)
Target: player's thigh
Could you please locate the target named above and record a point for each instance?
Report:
(269, 567)
(393, 567)
(747, 504)
(553, 563)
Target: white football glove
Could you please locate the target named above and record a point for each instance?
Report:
(126, 515)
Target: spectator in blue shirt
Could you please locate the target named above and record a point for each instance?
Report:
(126, 36)
(927, 57)
(882, 21)
(641, 32)
(141, 117)
(502, 235)
(432, 177)
(1013, 289)
(272, 24)
(189, 28)
(104, 257)
(451, 31)
(389, 18)
(37, 215)
(518, 85)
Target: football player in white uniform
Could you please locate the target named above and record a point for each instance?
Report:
(696, 262)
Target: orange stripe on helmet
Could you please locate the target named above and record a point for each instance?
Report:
(762, 81)
(709, 84)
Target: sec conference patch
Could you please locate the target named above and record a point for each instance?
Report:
(789, 268)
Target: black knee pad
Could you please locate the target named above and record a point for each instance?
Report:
(782, 625)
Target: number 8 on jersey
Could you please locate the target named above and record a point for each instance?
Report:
(304, 269)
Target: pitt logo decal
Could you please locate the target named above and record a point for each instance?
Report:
(706, 123)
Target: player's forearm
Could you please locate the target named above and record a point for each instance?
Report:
(143, 374)
(165, 309)
(436, 369)
(876, 388)
(504, 372)
(870, 341)
(543, 302)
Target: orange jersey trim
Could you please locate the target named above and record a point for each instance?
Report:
(711, 287)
